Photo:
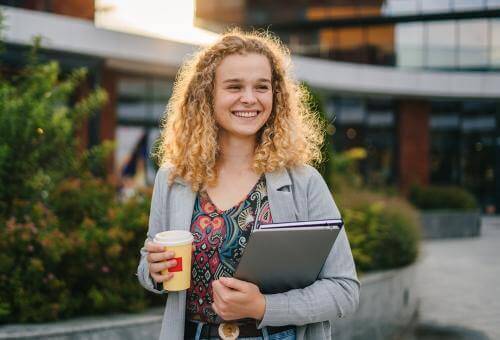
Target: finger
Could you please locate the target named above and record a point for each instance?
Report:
(231, 282)
(216, 293)
(159, 257)
(215, 287)
(215, 308)
(154, 247)
(220, 294)
(162, 278)
(219, 288)
(159, 266)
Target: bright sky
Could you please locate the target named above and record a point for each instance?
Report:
(168, 19)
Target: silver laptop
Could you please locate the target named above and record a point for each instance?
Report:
(284, 256)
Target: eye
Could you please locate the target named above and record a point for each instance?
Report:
(234, 87)
(263, 87)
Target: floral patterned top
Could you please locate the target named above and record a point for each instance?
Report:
(220, 238)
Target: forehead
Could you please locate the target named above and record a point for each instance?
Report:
(248, 66)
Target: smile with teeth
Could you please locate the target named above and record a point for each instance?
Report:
(245, 114)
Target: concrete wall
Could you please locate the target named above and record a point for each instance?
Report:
(142, 326)
(388, 305)
(450, 224)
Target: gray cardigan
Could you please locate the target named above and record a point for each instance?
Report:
(297, 194)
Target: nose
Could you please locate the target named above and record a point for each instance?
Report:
(248, 97)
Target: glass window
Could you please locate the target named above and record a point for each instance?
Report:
(473, 43)
(493, 4)
(380, 140)
(399, 7)
(380, 119)
(162, 90)
(409, 45)
(444, 156)
(141, 103)
(434, 6)
(445, 122)
(479, 123)
(127, 138)
(495, 43)
(380, 45)
(478, 145)
(132, 101)
(350, 111)
(350, 123)
(349, 42)
(444, 137)
(468, 5)
(441, 43)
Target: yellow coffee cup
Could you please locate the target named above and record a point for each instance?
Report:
(180, 242)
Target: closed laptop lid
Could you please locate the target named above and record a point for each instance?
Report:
(281, 258)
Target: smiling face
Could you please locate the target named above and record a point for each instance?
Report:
(243, 94)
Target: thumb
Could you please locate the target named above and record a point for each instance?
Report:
(233, 283)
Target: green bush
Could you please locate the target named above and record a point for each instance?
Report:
(442, 197)
(383, 231)
(69, 246)
(57, 267)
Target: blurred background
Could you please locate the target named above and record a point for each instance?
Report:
(409, 91)
(449, 137)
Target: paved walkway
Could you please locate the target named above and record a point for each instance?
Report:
(459, 283)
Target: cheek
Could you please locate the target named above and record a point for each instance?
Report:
(223, 102)
(267, 101)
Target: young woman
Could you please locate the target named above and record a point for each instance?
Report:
(236, 145)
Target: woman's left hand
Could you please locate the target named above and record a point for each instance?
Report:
(235, 299)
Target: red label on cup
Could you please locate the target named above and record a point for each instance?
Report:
(178, 266)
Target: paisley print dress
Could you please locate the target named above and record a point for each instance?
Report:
(220, 238)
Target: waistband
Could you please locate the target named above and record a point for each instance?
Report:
(244, 329)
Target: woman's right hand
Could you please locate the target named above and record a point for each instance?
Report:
(159, 260)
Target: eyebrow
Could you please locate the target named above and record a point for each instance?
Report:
(237, 80)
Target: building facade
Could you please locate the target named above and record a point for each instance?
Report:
(436, 138)
(398, 75)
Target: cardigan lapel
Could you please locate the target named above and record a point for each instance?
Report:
(279, 193)
(182, 205)
(280, 196)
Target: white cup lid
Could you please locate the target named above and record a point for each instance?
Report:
(174, 238)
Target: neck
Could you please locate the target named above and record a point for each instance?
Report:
(236, 151)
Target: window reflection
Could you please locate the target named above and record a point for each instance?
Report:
(441, 44)
(380, 142)
(434, 6)
(444, 137)
(410, 45)
(495, 43)
(473, 43)
(468, 5)
(478, 144)
(369, 124)
(400, 7)
(493, 4)
(140, 105)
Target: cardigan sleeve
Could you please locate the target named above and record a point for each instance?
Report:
(157, 204)
(336, 292)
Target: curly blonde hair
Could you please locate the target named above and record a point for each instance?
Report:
(292, 136)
